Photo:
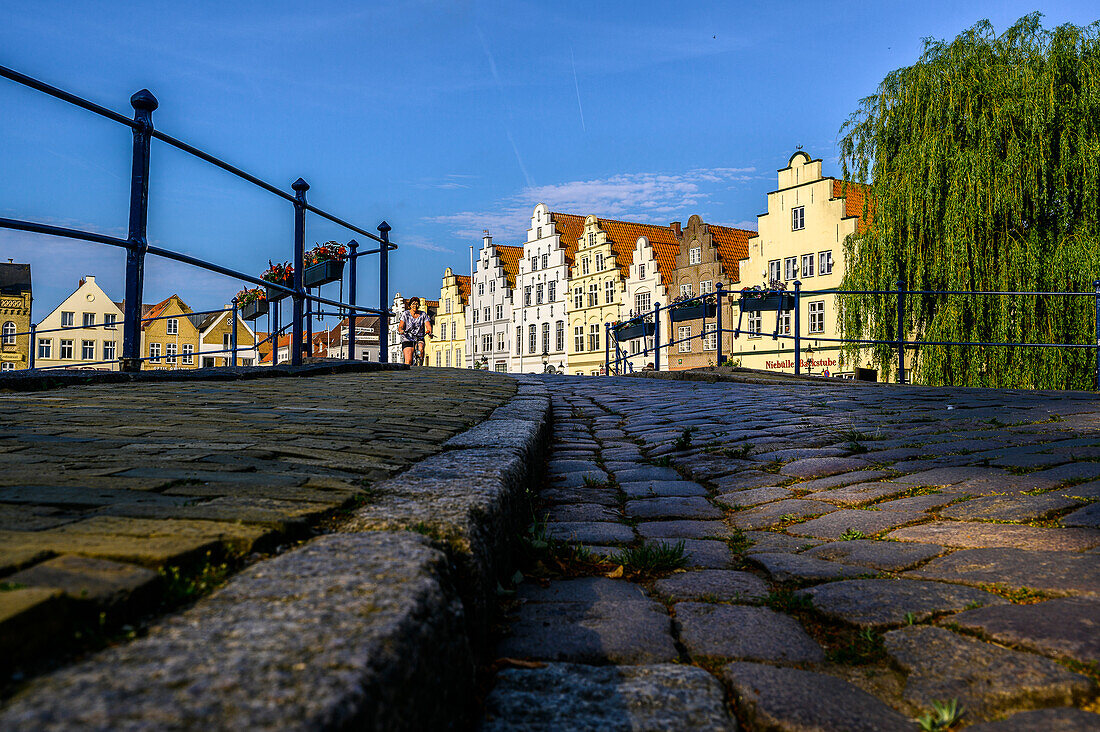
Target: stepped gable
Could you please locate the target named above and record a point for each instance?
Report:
(733, 246)
(463, 287)
(665, 254)
(570, 229)
(509, 260)
(856, 196)
(15, 279)
(624, 236)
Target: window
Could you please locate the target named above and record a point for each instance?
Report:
(226, 341)
(480, 288)
(499, 367)
(683, 335)
(154, 351)
(66, 349)
(207, 362)
(458, 356)
(45, 345)
(173, 327)
(641, 271)
(817, 316)
(578, 338)
(532, 337)
(790, 268)
(487, 318)
(189, 354)
(492, 286)
(559, 336)
(170, 352)
(609, 292)
(807, 265)
(87, 350)
(7, 366)
(545, 337)
(487, 343)
(9, 333)
(538, 294)
(695, 255)
(592, 240)
(501, 345)
(89, 320)
(710, 337)
(641, 302)
(438, 359)
(594, 337)
(685, 290)
(825, 263)
(545, 260)
(578, 297)
(599, 262)
(448, 359)
(706, 286)
(67, 320)
(109, 350)
(109, 321)
(593, 294)
(534, 262)
(585, 265)
(798, 218)
(475, 312)
(447, 305)
(775, 270)
(785, 323)
(500, 312)
(442, 331)
(756, 324)
(552, 291)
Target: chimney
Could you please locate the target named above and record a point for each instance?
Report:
(675, 226)
(89, 278)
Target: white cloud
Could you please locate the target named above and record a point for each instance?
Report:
(418, 243)
(641, 196)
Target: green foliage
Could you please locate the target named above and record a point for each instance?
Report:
(944, 715)
(683, 442)
(983, 161)
(654, 557)
(851, 534)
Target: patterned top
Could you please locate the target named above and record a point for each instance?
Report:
(414, 326)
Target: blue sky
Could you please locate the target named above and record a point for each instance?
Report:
(442, 118)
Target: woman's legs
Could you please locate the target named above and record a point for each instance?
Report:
(408, 353)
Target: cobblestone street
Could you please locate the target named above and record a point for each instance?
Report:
(854, 555)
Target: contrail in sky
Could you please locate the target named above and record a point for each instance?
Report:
(500, 88)
(578, 87)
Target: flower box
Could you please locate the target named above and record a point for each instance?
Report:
(630, 331)
(692, 311)
(274, 295)
(322, 273)
(253, 310)
(770, 301)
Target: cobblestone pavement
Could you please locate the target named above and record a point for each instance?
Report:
(855, 555)
(119, 500)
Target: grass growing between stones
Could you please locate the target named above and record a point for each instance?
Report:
(943, 716)
(653, 558)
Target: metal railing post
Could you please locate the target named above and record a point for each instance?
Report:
(657, 336)
(353, 245)
(34, 346)
(309, 326)
(274, 334)
(718, 323)
(384, 292)
(797, 327)
(901, 332)
(296, 345)
(233, 334)
(1096, 286)
(143, 103)
(607, 349)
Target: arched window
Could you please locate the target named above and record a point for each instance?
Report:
(9, 333)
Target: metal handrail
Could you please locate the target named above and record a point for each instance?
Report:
(137, 246)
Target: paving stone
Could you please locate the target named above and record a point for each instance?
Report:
(655, 488)
(822, 467)
(613, 698)
(1061, 719)
(31, 620)
(1059, 572)
(585, 478)
(673, 507)
(986, 679)
(927, 502)
(1088, 490)
(94, 581)
(949, 476)
(969, 535)
(840, 479)
(590, 532)
(283, 516)
(1078, 472)
(888, 556)
(800, 701)
(13, 558)
(1009, 508)
(837, 523)
(770, 514)
(713, 584)
(701, 553)
(1066, 628)
(744, 633)
(859, 493)
(878, 603)
(684, 529)
(742, 480)
(752, 497)
(647, 472)
(583, 512)
(784, 567)
(1089, 516)
(584, 590)
(80, 496)
(579, 494)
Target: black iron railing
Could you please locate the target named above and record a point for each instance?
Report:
(790, 301)
(137, 246)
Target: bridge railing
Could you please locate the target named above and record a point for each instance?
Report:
(789, 301)
(137, 246)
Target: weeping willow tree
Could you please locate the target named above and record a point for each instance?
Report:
(984, 165)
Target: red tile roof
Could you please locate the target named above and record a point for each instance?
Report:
(733, 246)
(624, 236)
(856, 196)
(509, 260)
(158, 309)
(463, 288)
(570, 229)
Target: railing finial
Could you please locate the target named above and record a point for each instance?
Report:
(383, 226)
(299, 186)
(144, 100)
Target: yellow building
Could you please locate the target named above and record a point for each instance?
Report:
(215, 334)
(15, 316)
(83, 332)
(447, 346)
(169, 339)
(801, 237)
(597, 283)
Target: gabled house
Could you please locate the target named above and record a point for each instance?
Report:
(489, 320)
(169, 339)
(15, 316)
(215, 340)
(447, 346)
(83, 332)
(651, 279)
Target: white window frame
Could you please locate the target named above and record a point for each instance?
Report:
(641, 271)
(578, 297)
(7, 366)
(109, 320)
(67, 319)
(808, 265)
(87, 350)
(9, 333)
(532, 338)
(578, 338)
(110, 350)
(502, 344)
(586, 265)
(66, 344)
(189, 353)
(593, 336)
(695, 255)
(172, 326)
(45, 347)
(817, 316)
(500, 312)
(154, 352)
(790, 269)
(551, 290)
(527, 296)
(710, 337)
(539, 292)
(798, 218)
(775, 269)
(559, 335)
(593, 294)
(170, 352)
(609, 292)
(706, 286)
(643, 302)
(88, 320)
(756, 324)
(685, 290)
(825, 263)
(683, 336)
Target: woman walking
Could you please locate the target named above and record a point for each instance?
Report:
(413, 327)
